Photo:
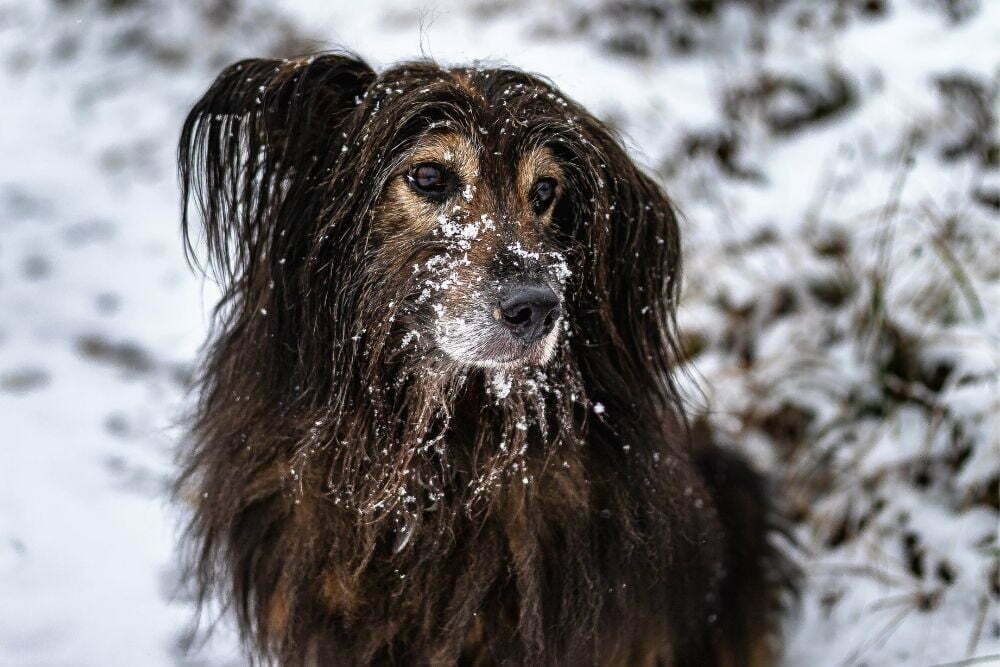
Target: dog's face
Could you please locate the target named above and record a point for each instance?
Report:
(489, 276)
(431, 218)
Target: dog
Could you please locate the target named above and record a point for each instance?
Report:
(438, 420)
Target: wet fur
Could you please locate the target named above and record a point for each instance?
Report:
(362, 499)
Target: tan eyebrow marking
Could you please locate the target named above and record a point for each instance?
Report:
(405, 209)
(538, 163)
(450, 149)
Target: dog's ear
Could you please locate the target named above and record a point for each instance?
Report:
(628, 229)
(254, 147)
(644, 265)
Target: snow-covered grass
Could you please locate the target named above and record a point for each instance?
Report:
(837, 166)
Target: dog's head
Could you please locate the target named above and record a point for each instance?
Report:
(460, 218)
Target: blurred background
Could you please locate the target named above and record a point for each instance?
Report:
(837, 166)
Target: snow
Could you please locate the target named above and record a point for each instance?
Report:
(817, 357)
(501, 385)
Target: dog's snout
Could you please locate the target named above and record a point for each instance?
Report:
(528, 311)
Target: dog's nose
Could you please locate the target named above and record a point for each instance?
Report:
(528, 311)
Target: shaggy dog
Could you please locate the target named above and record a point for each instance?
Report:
(437, 421)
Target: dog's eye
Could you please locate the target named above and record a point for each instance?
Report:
(430, 179)
(542, 194)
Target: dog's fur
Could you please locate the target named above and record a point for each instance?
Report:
(379, 476)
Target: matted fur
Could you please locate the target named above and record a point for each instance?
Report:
(362, 498)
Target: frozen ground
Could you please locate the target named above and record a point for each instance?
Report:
(837, 164)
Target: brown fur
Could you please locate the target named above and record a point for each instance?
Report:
(364, 497)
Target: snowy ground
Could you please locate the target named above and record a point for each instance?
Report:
(837, 164)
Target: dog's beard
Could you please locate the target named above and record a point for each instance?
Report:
(478, 341)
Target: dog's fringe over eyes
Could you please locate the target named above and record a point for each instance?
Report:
(342, 472)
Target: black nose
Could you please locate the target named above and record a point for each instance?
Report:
(529, 311)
